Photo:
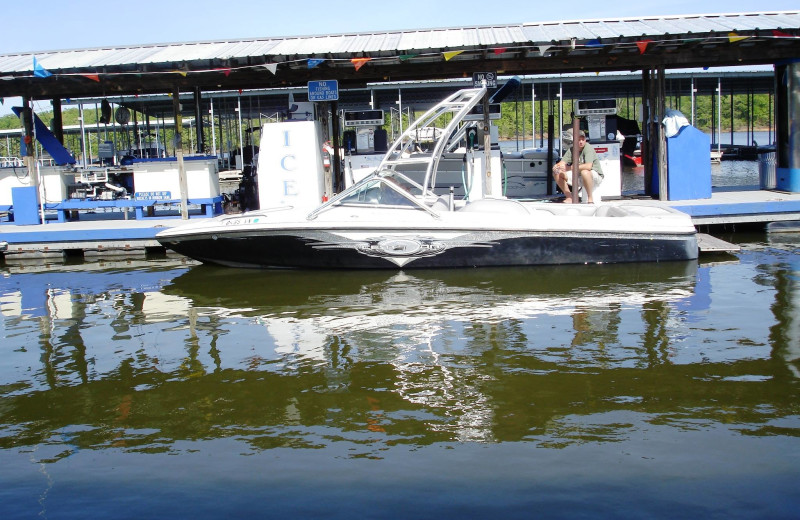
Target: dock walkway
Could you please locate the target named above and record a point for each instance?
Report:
(741, 204)
(85, 237)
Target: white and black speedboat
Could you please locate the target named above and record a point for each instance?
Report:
(404, 216)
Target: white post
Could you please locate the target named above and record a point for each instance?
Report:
(213, 131)
(241, 140)
(719, 113)
(400, 108)
(83, 134)
(560, 117)
(533, 116)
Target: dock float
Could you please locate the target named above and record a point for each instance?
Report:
(84, 238)
(741, 205)
(708, 244)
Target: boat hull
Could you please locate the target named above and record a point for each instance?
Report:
(392, 249)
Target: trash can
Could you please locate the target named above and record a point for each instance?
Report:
(766, 171)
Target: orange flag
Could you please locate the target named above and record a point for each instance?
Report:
(642, 44)
(359, 62)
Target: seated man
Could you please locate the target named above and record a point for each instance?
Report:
(588, 167)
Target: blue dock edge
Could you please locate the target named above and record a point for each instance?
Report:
(735, 204)
(209, 206)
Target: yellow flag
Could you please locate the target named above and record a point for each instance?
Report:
(450, 54)
(733, 37)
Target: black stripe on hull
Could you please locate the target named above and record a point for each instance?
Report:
(322, 250)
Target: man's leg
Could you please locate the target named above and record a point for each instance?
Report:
(561, 182)
(588, 184)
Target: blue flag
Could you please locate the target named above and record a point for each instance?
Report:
(313, 62)
(39, 71)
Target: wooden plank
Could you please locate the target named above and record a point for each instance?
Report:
(708, 244)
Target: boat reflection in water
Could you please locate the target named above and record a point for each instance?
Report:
(264, 339)
(323, 393)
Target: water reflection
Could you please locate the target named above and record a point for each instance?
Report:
(646, 373)
(785, 333)
(144, 358)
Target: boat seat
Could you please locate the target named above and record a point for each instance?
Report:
(441, 204)
(507, 206)
(611, 211)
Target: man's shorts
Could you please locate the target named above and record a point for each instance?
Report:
(597, 179)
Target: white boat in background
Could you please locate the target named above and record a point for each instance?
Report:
(405, 215)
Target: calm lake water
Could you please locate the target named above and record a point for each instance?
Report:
(163, 389)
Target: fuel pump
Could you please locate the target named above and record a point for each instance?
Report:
(601, 120)
(364, 141)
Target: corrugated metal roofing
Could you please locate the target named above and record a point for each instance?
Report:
(524, 34)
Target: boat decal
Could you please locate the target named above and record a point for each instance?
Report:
(241, 221)
(400, 249)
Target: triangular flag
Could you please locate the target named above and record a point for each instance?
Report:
(733, 37)
(181, 72)
(359, 62)
(272, 67)
(543, 49)
(594, 43)
(225, 70)
(450, 54)
(313, 62)
(781, 34)
(404, 57)
(500, 50)
(642, 44)
(93, 77)
(39, 71)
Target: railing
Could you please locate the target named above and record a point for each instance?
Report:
(17, 162)
(11, 162)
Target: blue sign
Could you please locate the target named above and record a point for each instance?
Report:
(327, 90)
(152, 195)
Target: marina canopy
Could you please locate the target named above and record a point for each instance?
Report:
(415, 55)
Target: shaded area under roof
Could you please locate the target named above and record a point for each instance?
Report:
(428, 54)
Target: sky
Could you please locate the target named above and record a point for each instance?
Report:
(77, 24)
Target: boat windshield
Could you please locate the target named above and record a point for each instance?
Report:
(384, 188)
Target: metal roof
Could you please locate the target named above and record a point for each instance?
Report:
(524, 48)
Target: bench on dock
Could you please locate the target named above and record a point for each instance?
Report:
(142, 207)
